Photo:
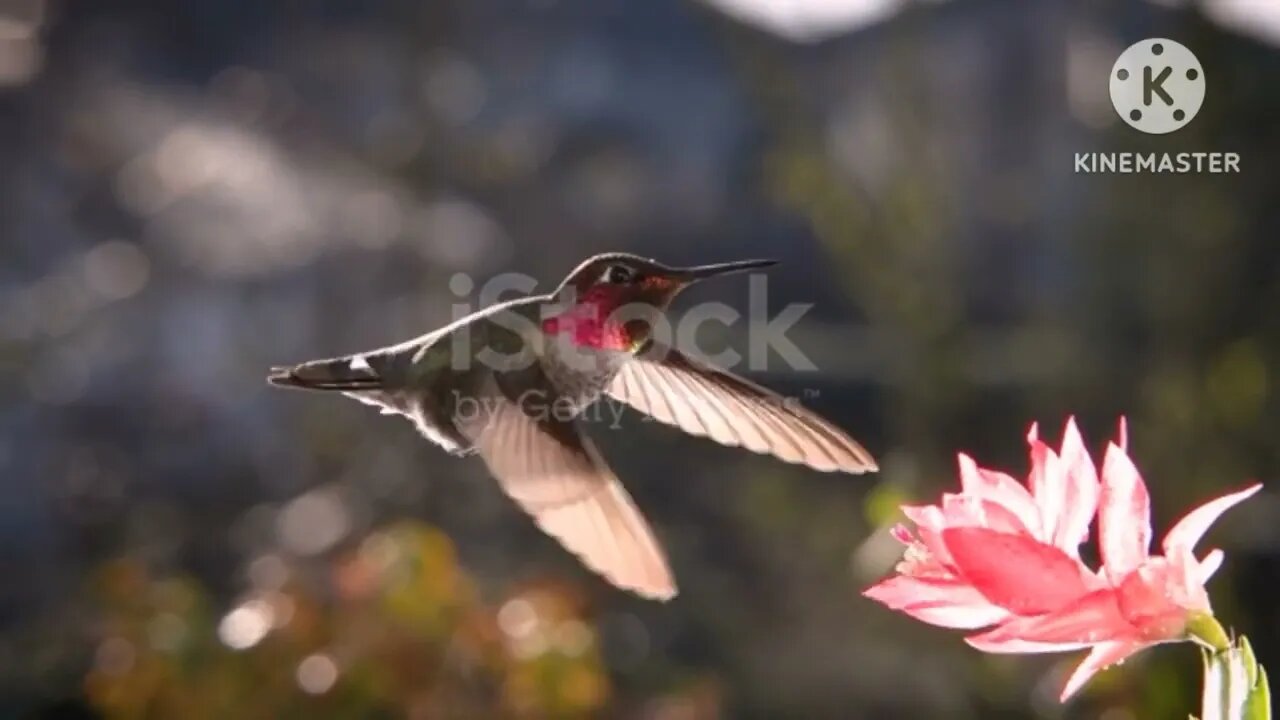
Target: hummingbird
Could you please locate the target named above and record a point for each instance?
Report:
(510, 382)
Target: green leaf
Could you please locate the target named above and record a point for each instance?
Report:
(1258, 705)
(1235, 686)
(1250, 661)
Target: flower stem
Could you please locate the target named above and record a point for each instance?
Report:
(1205, 629)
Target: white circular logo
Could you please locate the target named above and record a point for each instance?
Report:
(1157, 85)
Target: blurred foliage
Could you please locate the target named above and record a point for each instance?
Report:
(393, 629)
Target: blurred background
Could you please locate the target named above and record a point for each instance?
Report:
(191, 192)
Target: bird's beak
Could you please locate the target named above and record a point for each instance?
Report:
(702, 272)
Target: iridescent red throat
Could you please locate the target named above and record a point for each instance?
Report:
(590, 322)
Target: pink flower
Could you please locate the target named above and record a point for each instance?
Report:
(968, 563)
(1005, 556)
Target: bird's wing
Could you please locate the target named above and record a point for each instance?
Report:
(555, 474)
(703, 400)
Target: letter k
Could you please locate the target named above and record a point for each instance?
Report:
(1156, 86)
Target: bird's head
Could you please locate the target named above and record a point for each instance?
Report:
(632, 290)
(632, 278)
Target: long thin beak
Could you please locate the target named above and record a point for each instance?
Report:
(702, 272)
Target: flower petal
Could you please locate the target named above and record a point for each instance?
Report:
(960, 510)
(1047, 481)
(1157, 598)
(1208, 566)
(957, 617)
(999, 488)
(1092, 618)
(1187, 589)
(929, 523)
(898, 591)
(902, 534)
(950, 604)
(1101, 657)
(1079, 492)
(1016, 572)
(1188, 531)
(926, 517)
(973, 511)
(988, 643)
(1124, 516)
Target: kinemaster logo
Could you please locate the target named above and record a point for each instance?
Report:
(1157, 87)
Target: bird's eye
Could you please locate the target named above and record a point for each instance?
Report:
(619, 274)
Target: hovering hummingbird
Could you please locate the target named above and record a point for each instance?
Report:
(509, 382)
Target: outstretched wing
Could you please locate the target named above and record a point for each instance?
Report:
(555, 474)
(703, 400)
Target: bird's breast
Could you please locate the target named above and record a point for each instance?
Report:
(580, 374)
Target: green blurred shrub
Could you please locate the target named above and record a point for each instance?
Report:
(393, 628)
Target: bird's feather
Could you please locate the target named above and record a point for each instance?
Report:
(703, 400)
(556, 475)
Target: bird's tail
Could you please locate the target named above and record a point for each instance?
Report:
(352, 373)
